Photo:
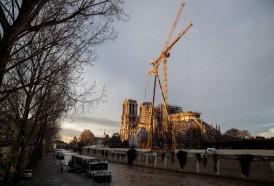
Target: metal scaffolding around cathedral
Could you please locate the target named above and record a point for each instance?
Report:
(187, 125)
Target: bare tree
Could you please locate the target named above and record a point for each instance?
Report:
(237, 133)
(43, 47)
(234, 133)
(245, 134)
(87, 137)
(22, 20)
(47, 122)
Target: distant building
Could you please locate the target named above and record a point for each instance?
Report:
(105, 136)
(260, 137)
(101, 140)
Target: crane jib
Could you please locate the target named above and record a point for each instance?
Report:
(165, 50)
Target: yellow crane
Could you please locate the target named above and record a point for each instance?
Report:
(164, 62)
(166, 126)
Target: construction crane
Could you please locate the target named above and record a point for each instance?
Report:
(166, 51)
(164, 62)
(167, 127)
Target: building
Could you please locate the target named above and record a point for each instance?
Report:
(101, 140)
(145, 114)
(187, 125)
(129, 119)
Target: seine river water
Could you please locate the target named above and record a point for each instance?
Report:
(125, 175)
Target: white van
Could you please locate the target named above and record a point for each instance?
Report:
(210, 150)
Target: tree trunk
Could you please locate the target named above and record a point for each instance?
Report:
(4, 57)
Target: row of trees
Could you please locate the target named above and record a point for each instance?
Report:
(233, 138)
(87, 138)
(44, 46)
(236, 133)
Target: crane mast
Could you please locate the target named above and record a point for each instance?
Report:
(164, 61)
(167, 126)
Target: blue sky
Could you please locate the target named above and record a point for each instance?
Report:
(222, 67)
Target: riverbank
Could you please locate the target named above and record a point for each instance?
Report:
(225, 164)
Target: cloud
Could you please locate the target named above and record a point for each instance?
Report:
(74, 125)
(268, 133)
(68, 134)
(267, 125)
(93, 120)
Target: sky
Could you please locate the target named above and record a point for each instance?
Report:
(223, 67)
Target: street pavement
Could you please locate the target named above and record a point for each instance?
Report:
(48, 173)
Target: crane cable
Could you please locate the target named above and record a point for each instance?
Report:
(147, 83)
(188, 73)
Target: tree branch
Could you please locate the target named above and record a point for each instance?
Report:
(3, 20)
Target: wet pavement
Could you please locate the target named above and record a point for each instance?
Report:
(48, 173)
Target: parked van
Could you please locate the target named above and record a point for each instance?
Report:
(210, 150)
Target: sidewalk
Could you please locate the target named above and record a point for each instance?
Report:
(48, 173)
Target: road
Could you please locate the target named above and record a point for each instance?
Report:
(48, 173)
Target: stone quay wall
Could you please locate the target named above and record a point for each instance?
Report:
(227, 165)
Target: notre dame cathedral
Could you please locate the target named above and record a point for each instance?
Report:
(145, 131)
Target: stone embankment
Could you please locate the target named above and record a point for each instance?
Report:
(226, 163)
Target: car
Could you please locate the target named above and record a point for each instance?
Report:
(27, 173)
(210, 150)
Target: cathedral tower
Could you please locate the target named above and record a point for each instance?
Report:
(129, 119)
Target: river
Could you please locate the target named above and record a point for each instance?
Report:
(123, 174)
